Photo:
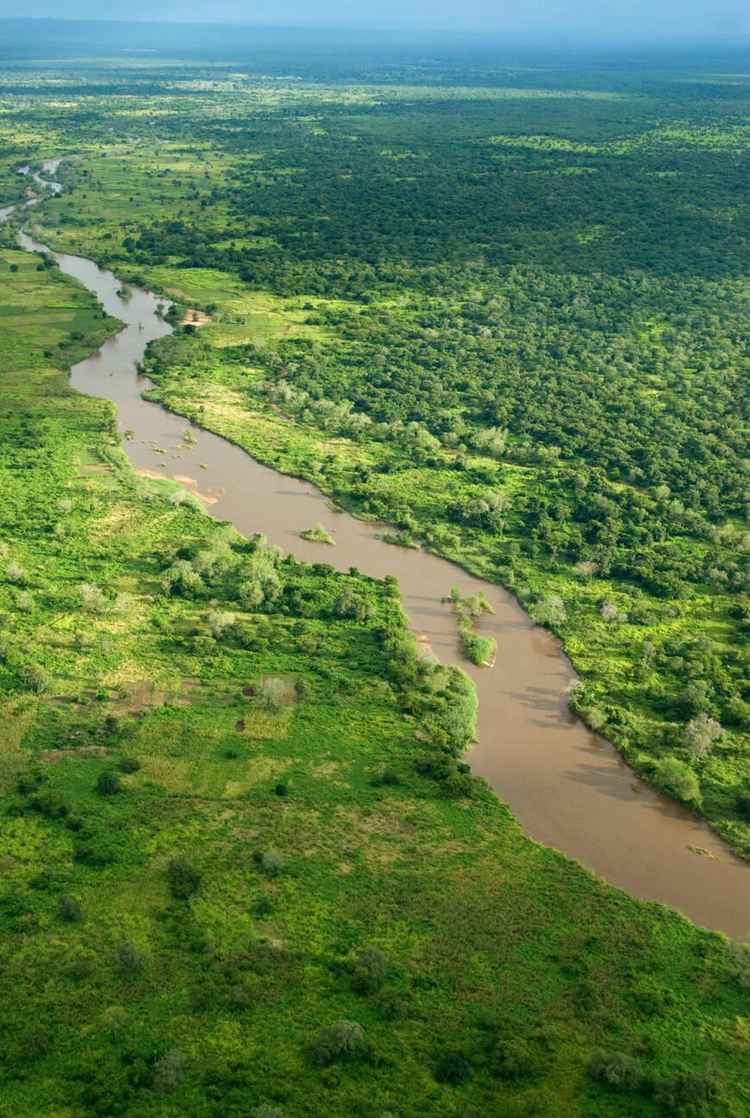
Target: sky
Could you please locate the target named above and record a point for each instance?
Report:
(585, 20)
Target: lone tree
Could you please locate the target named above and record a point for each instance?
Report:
(549, 611)
(338, 1041)
(700, 734)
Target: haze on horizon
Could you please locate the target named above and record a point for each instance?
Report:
(567, 21)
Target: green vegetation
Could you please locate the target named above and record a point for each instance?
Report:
(515, 332)
(318, 534)
(480, 650)
(245, 870)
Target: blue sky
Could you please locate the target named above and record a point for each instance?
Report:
(570, 19)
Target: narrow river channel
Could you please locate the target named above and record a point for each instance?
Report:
(567, 787)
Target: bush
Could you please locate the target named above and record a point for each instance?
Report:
(169, 1071)
(274, 692)
(108, 784)
(386, 778)
(444, 769)
(739, 955)
(616, 1069)
(455, 714)
(92, 598)
(478, 649)
(369, 970)
(14, 572)
(49, 804)
(679, 779)
(36, 678)
(452, 1068)
(318, 534)
(184, 879)
(69, 910)
(515, 1059)
(97, 850)
(550, 611)
(269, 862)
(685, 1093)
(338, 1041)
(129, 765)
(129, 960)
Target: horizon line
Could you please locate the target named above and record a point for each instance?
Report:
(512, 37)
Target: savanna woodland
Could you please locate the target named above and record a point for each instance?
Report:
(500, 306)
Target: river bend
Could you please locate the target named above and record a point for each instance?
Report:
(567, 786)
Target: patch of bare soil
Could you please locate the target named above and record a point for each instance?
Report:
(193, 317)
(52, 756)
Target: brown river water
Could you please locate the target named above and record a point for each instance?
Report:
(567, 786)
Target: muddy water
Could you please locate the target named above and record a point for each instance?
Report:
(567, 787)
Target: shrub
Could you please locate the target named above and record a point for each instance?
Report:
(549, 611)
(24, 601)
(390, 1005)
(69, 910)
(129, 765)
(478, 649)
(318, 534)
(219, 623)
(169, 1071)
(49, 804)
(742, 805)
(184, 879)
(36, 678)
(515, 1059)
(685, 1092)
(98, 850)
(387, 777)
(350, 605)
(271, 863)
(108, 784)
(739, 954)
(679, 779)
(274, 692)
(92, 598)
(181, 580)
(114, 1020)
(616, 1069)
(129, 960)
(338, 1041)
(452, 1068)
(369, 970)
(14, 572)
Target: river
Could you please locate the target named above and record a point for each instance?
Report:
(567, 786)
